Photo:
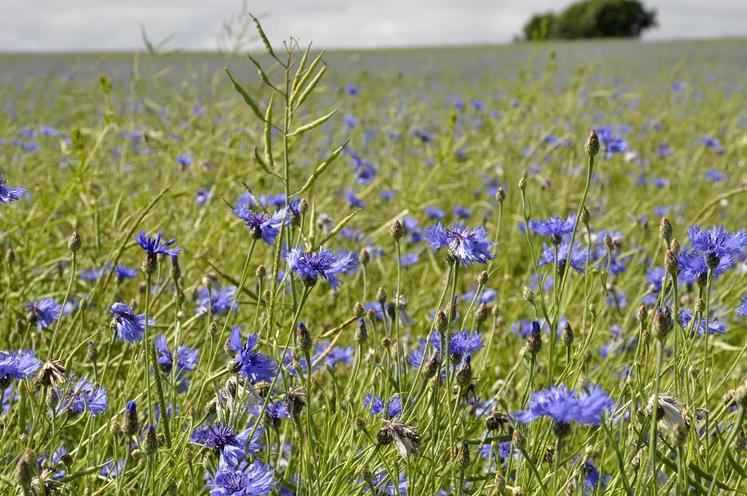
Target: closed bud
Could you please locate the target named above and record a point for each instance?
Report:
(528, 294)
(303, 206)
(381, 295)
(150, 443)
(482, 278)
(463, 455)
(642, 314)
(481, 315)
(712, 260)
(130, 423)
(431, 368)
(700, 306)
(662, 324)
(665, 231)
(671, 264)
(261, 271)
(442, 322)
(304, 338)
(675, 247)
(523, 183)
(358, 310)
(364, 256)
(585, 216)
(10, 256)
(91, 352)
(213, 329)
(518, 440)
(361, 334)
(500, 195)
(360, 424)
(592, 144)
(150, 263)
(397, 229)
(566, 335)
(464, 372)
(74, 242)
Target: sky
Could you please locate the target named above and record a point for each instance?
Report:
(104, 25)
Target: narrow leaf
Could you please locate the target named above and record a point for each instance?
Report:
(249, 101)
(320, 170)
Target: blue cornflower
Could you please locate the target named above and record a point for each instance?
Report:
(383, 485)
(376, 405)
(717, 243)
(184, 159)
(462, 212)
(251, 363)
(554, 228)
(663, 150)
(353, 200)
(203, 196)
(44, 312)
(460, 343)
(323, 263)
(565, 406)
(613, 143)
(111, 470)
(230, 445)
(693, 266)
(123, 272)
(712, 143)
(578, 256)
(714, 326)
(153, 245)
(91, 275)
(218, 300)
(274, 413)
(742, 309)
(409, 259)
(592, 477)
(186, 358)
(337, 354)
(434, 213)
(654, 276)
(241, 479)
(129, 326)
(466, 245)
(19, 364)
(352, 90)
(10, 193)
(715, 175)
(260, 224)
(486, 296)
(81, 397)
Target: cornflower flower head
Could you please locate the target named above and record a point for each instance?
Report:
(241, 479)
(382, 484)
(742, 309)
(578, 257)
(128, 326)
(309, 267)
(693, 266)
(376, 405)
(717, 243)
(218, 300)
(81, 397)
(44, 312)
(260, 224)
(123, 272)
(565, 405)
(154, 245)
(224, 441)
(714, 326)
(554, 228)
(254, 365)
(20, 364)
(186, 358)
(466, 245)
(10, 194)
(460, 343)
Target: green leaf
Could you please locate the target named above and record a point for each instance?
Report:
(336, 229)
(249, 101)
(311, 125)
(320, 170)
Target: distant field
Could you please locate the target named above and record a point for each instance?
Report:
(299, 369)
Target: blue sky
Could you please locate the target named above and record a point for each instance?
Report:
(43, 25)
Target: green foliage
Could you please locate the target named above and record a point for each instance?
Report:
(592, 19)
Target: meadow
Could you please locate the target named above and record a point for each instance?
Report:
(510, 270)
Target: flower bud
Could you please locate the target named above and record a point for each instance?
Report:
(361, 334)
(585, 216)
(381, 295)
(442, 321)
(364, 256)
(482, 278)
(396, 229)
(150, 443)
(592, 144)
(500, 195)
(566, 335)
(304, 339)
(74, 242)
(358, 310)
(671, 264)
(665, 231)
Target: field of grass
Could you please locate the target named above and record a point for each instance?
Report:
(336, 330)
